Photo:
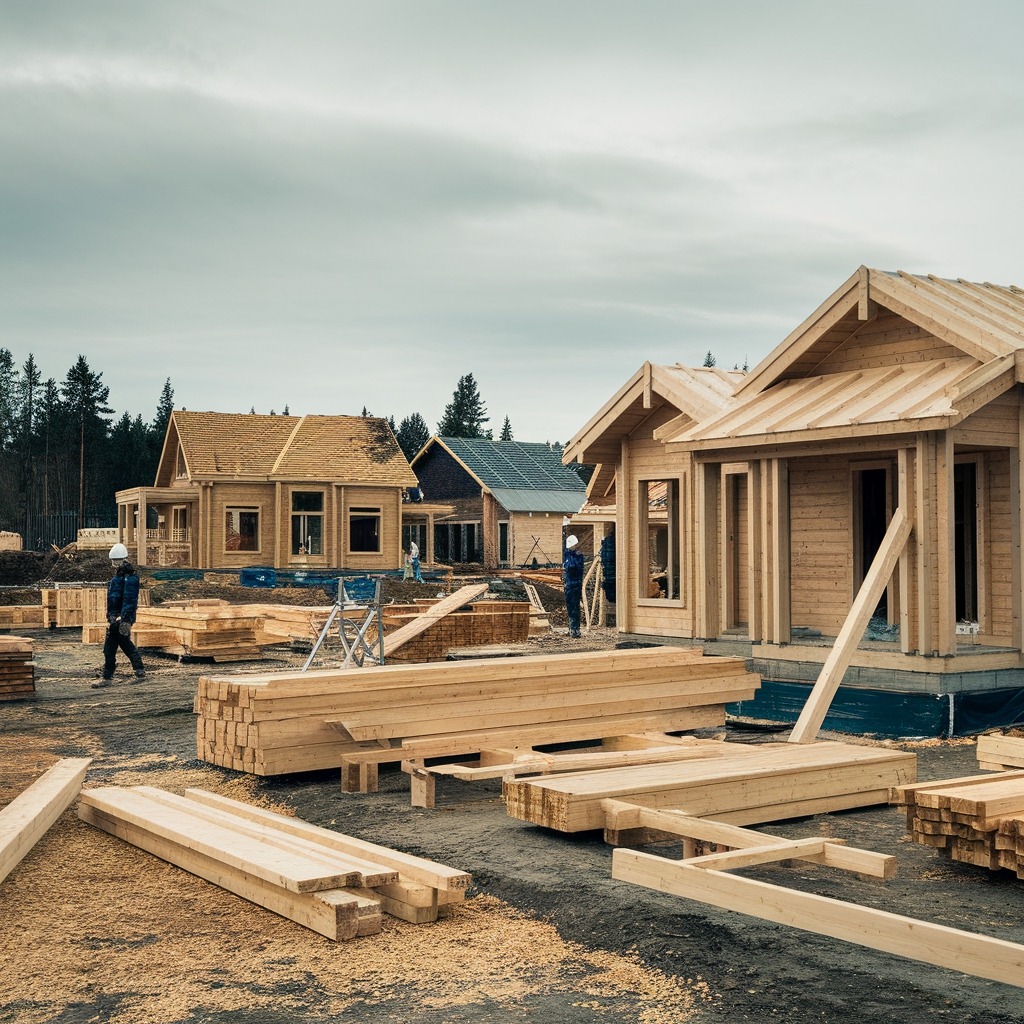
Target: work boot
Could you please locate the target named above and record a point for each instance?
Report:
(101, 682)
(140, 675)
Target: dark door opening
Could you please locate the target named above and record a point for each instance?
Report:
(965, 525)
(874, 494)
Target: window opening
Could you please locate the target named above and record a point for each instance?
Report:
(659, 515)
(307, 522)
(874, 499)
(965, 513)
(502, 542)
(364, 529)
(242, 529)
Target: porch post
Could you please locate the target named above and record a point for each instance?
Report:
(767, 545)
(708, 582)
(141, 554)
(924, 491)
(1016, 551)
(781, 590)
(945, 534)
(755, 597)
(623, 542)
(906, 500)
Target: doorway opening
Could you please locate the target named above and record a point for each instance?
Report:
(874, 510)
(965, 525)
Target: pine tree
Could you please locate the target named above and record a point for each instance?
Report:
(506, 431)
(286, 412)
(164, 408)
(252, 410)
(29, 384)
(466, 414)
(709, 359)
(86, 396)
(745, 364)
(8, 399)
(412, 434)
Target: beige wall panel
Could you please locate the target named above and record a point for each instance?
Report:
(995, 424)
(243, 495)
(887, 340)
(821, 550)
(386, 499)
(1000, 570)
(546, 528)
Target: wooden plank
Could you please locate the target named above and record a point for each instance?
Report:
(964, 952)
(708, 622)
(770, 853)
(417, 869)
(332, 912)
(284, 868)
(755, 597)
(452, 603)
(906, 499)
(875, 582)
(25, 820)
(780, 582)
(945, 566)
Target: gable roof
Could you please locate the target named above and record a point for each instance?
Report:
(697, 392)
(349, 449)
(981, 320)
(522, 476)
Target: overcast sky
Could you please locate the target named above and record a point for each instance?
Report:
(333, 205)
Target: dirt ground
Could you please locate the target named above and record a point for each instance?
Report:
(92, 929)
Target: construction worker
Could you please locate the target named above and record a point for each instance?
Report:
(122, 602)
(414, 559)
(572, 573)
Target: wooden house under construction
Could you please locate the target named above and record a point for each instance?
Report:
(291, 492)
(867, 469)
(507, 498)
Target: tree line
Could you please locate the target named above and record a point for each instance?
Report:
(64, 453)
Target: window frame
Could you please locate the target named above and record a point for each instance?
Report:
(365, 512)
(322, 515)
(258, 509)
(675, 524)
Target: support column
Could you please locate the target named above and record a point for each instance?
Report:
(277, 525)
(489, 526)
(945, 641)
(708, 622)
(1016, 550)
(141, 553)
(427, 553)
(767, 562)
(623, 560)
(924, 492)
(781, 590)
(906, 500)
(755, 597)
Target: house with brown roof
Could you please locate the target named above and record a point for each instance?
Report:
(291, 492)
(866, 473)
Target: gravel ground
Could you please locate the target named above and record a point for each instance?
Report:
(95, 930)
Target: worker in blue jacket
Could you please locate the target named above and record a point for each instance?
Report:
(572, 571)
(122, 602)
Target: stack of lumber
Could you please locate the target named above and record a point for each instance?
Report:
(976, 820)
(998, 753)
(77, 607)
(743, 785)
(20, 615)
(331, 883)
(482, 622)
(288, 722)
(224, 633)
(539, 621)
(24, 821)
(17, 669)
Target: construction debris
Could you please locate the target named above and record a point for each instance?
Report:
(17, 669)
(288, 722)
(24, 821)
(331, 883)
(429, 616)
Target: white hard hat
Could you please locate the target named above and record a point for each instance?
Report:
(571, 542)
(118, 551)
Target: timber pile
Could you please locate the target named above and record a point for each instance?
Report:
(976, 820)
(999, 753)
(288, 722)
(482, 622)
(742, 785)
(331, 883)
(75, 607)
(195, 631)
(17, 669)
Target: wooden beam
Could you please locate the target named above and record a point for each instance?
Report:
(832, 672)
(489, 525)
(908, 558)
(755, 597)
(624, 526)
(767, 544)
(964, 952)
(707, 618)
(770, 853)
(866, 308)
(781, 589)
(24, 821)
(924, 489)
(1016, 549)
(945, 566)
(647, 385)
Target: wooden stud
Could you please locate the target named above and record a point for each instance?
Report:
(624, 525)
(924, 490)
(755, 595)
(866, 308)
(945, 566)
(906, 500)
(423, 785)
(707, 617)
(767, 546)
(781, 590)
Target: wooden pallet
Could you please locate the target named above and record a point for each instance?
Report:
(20, 615)
(334, 884)
(355, 720)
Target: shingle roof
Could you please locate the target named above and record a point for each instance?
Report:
(514, 465)
(357, 449)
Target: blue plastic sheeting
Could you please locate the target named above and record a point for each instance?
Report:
(880, 712)
(257, 576)
(979, 710)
